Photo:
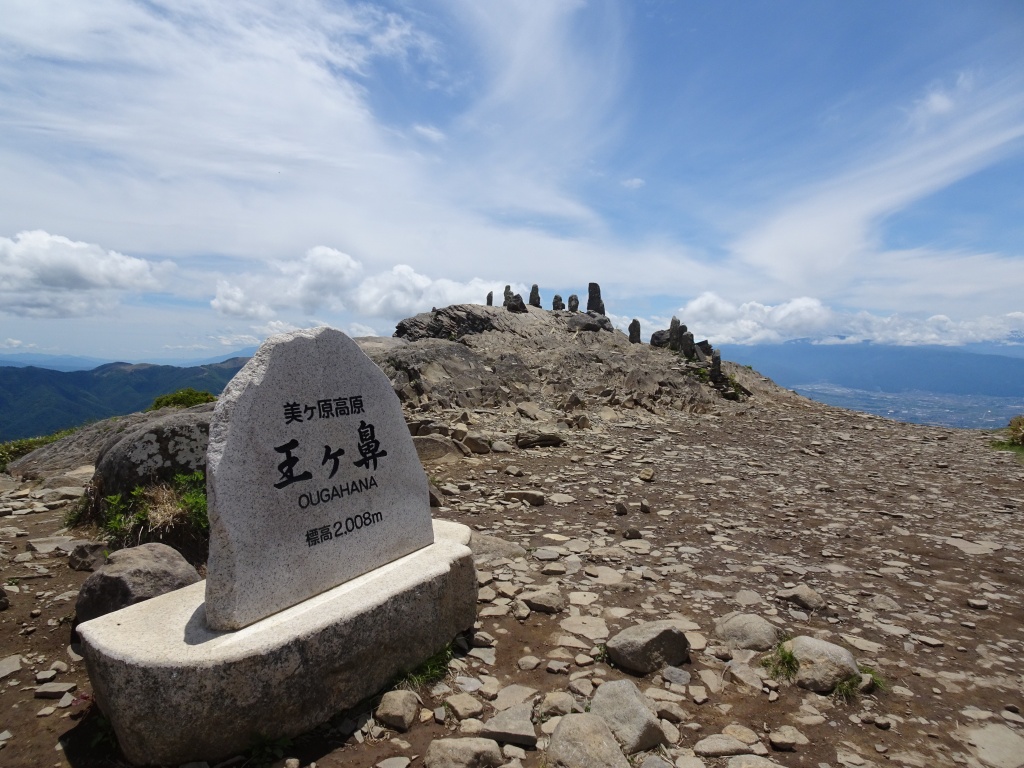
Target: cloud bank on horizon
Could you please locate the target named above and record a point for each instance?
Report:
(194, 175)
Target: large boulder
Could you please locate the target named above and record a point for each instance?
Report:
(747, 631)
(823, 665)
(629, 714)
(131, 576)
(643, 648)
(172, 442)
(584, 741)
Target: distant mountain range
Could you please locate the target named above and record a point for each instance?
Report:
(954, 386)
(884, 368)
(39, 401)
(76, 363)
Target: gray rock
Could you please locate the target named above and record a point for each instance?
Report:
(486, 547)
(644, 648)
(634, 331)
(996, 745)
(584, 741)
(464, 705)
(169, 443)
(544, 600)
(653, 761)
(398, 710)
(88, 555)
(535, 296)
(5, 601)
(803, 596)
(477, 443)
(513, 726)
(747, 630)
(436, 449)
(533, 498)
(823, 665)
(490, 298)
(516, 304)
(540, 439)
(463, 753)
(9, 666)
(720, 745)
(574, 302)
(629, 715)
(131, 576)
(557, 304)
(590, 321)
(660, 339)
(555, 704)
(594, 302)
(751, 761)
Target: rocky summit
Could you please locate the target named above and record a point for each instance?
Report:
(674, 569)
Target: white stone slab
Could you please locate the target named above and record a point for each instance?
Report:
(290, 517)
(177, 691)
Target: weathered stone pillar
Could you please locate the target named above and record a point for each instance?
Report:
(490, 298)
(594, 302)
(508, 296)
(574, 302)
(535, 296)
(634, 332)
(557, 304)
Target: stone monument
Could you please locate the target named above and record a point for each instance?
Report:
(535, 296)
(490, 298)
(574, 302)
(326, 577)
(557, 305)
(634, 331)
(594, 301)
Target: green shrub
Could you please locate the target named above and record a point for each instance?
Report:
(780, 663)
(15, 449)
(174, 513)
(183, 398)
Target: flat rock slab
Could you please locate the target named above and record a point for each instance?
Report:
(312, 477)
(997, 746)
(221, 692)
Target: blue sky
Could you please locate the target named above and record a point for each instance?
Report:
(182, 179)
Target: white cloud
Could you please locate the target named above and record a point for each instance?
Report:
(358, 329)
(724, 322)
(634, 183)
(44, 275)
(15, 344)
(430, 132)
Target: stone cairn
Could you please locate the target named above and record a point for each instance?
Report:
(535, 296)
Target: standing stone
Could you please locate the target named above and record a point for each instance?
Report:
(508, 296)
(594, 302)
(686, 345)
(490, 298)
(574, 302)
(634, 332)
(716, 367)
(557, 304)
(673, 335)
(535, 296)
(516, 304)
(312, 479)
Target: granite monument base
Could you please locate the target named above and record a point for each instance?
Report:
(177, 691)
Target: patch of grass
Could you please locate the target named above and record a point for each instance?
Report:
(780, 663)
(15, 449)
(602, 654)
(150, 513)
(430, 671)
(183, 398)
(847, 690)
(1015, 431)
(703, 374)
(878, 681)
